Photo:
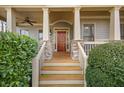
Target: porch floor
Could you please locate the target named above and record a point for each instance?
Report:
(61, 71)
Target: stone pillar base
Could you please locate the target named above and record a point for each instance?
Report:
(75, 49)
(48, 50)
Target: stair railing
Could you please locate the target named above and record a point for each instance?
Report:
(83, 61)
(89, 45)
(36, 63)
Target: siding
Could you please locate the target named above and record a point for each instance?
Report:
(101, 28)
(33, 31)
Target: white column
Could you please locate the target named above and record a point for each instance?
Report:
(11, 20)
(45, 24)
(115, 24)
(77, 23)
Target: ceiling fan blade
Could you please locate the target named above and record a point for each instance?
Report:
(30, 23)
(33, 21)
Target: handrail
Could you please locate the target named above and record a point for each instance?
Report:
(36, 66)
(83, 61)
(95, 42)
(88, 45)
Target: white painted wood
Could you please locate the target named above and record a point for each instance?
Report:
(83, 61)
(61, 21)
(45, 24)
(90, 44)
(11, 20)
(61, 64)
(60, 72)
(115, 24)
(36, 66)
(61, 82)
(77, 23)
(96, 42)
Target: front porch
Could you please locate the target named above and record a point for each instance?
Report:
(65, 36)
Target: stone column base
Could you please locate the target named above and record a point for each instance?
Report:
(48, 50)
(75, 49)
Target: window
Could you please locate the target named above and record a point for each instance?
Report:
(122, 31)
(2, 26)
(40, 35)
(88, 32)
(24, 32)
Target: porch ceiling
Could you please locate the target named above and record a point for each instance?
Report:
(122, 9)
(61, 9)
(28, 9)
(2, 14)
(63, 13)
(35, 14)
(95, 8)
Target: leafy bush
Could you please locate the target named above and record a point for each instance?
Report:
(106, 65)
(16, 53)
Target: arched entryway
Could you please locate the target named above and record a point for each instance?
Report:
(61, 36)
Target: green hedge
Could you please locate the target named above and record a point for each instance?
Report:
(16, 53)
(106, 65)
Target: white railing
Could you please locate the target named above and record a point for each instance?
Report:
(89, 45)
(36, 65)
(83, 61)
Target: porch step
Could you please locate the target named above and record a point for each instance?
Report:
(61, 82)
(61, 68)
(61, 85)
(62, 61)
(61, 64)
(60, 72)
(61, 77)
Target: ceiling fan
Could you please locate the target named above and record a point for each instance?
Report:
(27, 20)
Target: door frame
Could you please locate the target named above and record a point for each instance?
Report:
(62, 29)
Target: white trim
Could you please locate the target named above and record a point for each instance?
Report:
(36, 66)
(94, 28)
(92, 42)
(67, 30)
(57, 6)
(61, 21)
(60, 72)
(61, 82)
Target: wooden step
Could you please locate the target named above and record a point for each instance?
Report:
(61, 77)
(61, 68)
(61, 81)
(60, 64)
(61, 72)
(61, 85)
(61, 61)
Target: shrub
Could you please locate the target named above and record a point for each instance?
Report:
(16, 53)
(106, 65)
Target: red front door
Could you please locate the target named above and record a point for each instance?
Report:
(61, 41)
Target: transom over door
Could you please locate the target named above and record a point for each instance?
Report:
(61, 41)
